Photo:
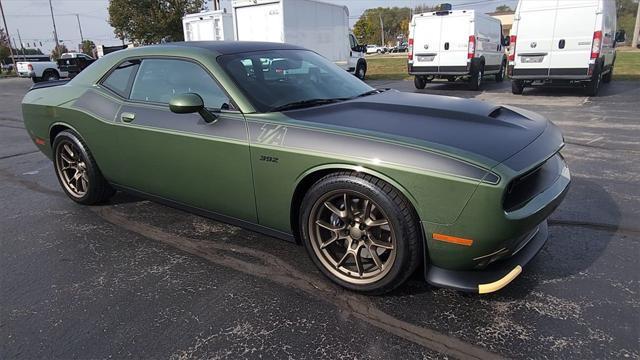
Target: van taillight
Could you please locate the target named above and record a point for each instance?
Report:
(472, 47)
(30, 67)
(596, 44)
(512, 47)
(410, 50)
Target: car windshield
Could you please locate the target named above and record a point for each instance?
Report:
(275, 79)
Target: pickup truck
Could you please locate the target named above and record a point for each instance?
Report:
(73, 63)
(38, 68)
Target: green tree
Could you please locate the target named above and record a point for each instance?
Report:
(5, 51)
(503, 8)
(57, 51)
(87, 47)
(626, 11)
(395, 20)
(150, 21)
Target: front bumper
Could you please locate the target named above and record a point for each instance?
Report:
(495, 276)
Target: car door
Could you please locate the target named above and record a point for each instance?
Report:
(180, 157)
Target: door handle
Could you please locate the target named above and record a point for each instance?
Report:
(561, 44)
(446, 46)
(127, 117)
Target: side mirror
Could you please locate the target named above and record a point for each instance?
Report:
(620, 36)
(189, 103)
(506, 41)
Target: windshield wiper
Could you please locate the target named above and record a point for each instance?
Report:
(306, 103)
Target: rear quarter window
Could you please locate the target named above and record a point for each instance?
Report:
(120, 79)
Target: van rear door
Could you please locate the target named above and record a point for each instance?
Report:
(454, 42)
(574, 26)
(426, 43)
(534, 43)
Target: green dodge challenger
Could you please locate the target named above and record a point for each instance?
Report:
(275, 138)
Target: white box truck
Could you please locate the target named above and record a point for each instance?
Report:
(318, 26)
(563, 42)
(456, 44)
(214, 25)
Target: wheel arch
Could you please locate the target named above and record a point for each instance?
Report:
(304, 182)
(58, 127)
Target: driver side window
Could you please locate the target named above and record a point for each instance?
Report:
(158, 80)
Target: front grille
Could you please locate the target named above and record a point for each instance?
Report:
(527, 186)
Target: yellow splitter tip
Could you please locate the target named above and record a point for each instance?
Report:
(497, 285)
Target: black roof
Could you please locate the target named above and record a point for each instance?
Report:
(234, 47)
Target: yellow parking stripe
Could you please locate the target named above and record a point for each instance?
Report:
(497, 285)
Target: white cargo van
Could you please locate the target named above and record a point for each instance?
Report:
(456, 44)
(214, 25)
(563, 42)
(318, 26)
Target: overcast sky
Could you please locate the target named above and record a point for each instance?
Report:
(33, 19)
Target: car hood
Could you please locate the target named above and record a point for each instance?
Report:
(455, 125)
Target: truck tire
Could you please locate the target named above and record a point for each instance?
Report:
(500, 74)
(420, 82)
(475, 81)
(609, 75)
(517, 87)
(361, 70)
(593, 87)
(50, 75)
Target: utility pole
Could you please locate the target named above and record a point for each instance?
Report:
(80, 27)
(636, 29)
(381, 29)
(20, 39)
(55, 32)
(6, 30)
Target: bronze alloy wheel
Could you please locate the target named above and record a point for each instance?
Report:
(72, 170)
(352, 237)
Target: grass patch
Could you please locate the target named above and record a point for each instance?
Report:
(387, 68)
(6, 75)
(395, 68)
(627, 66)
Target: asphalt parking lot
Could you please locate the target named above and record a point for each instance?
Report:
(134, 279)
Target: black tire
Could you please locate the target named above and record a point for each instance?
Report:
(475, 80)
(50, 75)
(593, 87)
(419, 82)
(608, 76)
(517, 87)
(98, 189)
(361, 70)
(500, 75)
(403, 222)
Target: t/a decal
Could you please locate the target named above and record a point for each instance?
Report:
(271, 134)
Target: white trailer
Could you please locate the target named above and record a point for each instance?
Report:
(318, 26)
(214, 25)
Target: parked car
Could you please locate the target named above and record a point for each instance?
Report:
(316, 25)
(373, 49)
(400, 48)
(73, 63)
(38, 68)
(564, 42)
(456, 44)
(271, 136)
